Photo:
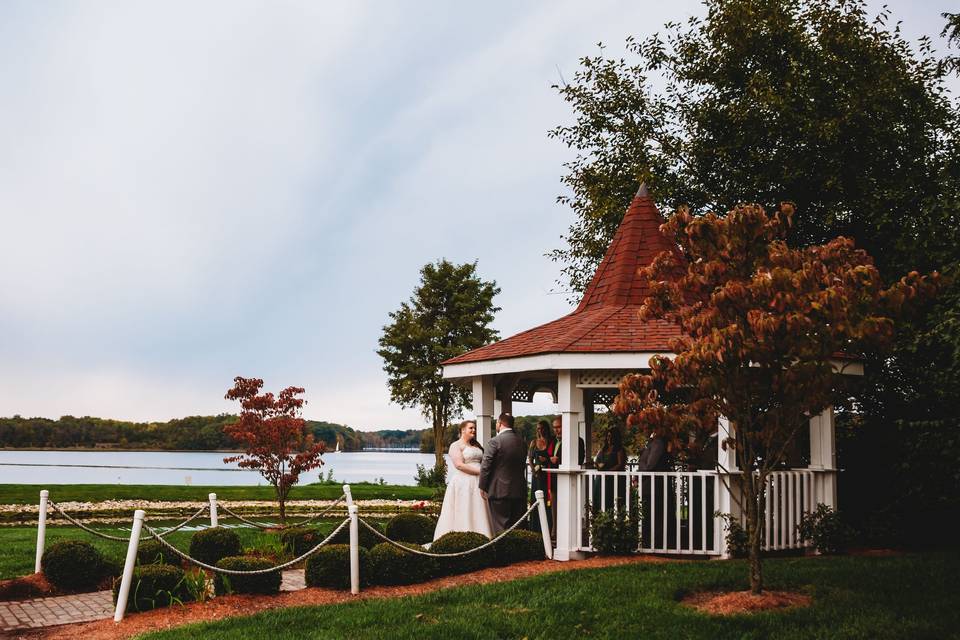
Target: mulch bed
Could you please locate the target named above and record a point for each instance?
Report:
(227, 606)
(738, 602)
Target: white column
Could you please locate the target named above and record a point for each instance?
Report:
(823, 457)
(41, 528)
(127, 579)
(728, 484)
(214, 519)
(570, 400)
(354, 549)
(727, 457)
(483, 393)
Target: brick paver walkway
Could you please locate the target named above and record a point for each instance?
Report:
(84, 607)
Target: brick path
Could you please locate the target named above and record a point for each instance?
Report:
(83, 607)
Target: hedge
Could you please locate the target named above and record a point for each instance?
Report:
(152, 552)
(154, 585)
(457, 541)
(519, 545)
(72, 565)
(210, 546)
(265, 583)
(411, 527)
(299, 540)
(367, 538)
(389, 565)
(330, 567)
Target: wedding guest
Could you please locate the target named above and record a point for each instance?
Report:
(611, 457)
(556, 456)
(538, 456)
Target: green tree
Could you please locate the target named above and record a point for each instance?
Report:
(449, 313)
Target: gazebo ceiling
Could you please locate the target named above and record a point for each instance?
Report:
(607, 321)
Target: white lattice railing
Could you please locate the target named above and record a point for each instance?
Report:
(678, 507)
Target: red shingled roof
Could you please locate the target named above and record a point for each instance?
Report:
(607, 319)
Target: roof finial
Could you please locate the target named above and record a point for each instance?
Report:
(642, 191)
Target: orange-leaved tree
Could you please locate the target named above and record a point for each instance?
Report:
(765, 329)
(273, 435)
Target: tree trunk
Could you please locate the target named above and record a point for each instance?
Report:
(438, 442)
(755, 508)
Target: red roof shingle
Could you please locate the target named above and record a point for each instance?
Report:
(607, 319)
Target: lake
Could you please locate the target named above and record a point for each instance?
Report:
(204, 468)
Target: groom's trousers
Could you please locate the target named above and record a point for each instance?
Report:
(504, 512)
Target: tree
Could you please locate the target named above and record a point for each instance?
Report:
(762, 327)
(449, 313)
(273, 435)
(814, 102)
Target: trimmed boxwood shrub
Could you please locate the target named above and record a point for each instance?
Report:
(457, 541)
(266, 583)
(152, 552)
(154, 585)
(518, 546)
(213, 545)
(72, 565)
(299, 540)
(389, 565)
(411, 527)
(367, 538)
(330, 567)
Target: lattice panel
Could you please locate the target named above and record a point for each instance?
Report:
(524, 391)
(604, 396)
(601, 377)
(522, 395)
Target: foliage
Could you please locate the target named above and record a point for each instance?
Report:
(299, 540)
(152, 552)
(330, 567)
(72, 565)
(367, 538)
(154, 585)
(435, 476)
(456, 542)
(411, 527)
(389, 565)
(449, 313)
(826, 529)
(273, 436)
(263, 583)
(196, 585)
(616, 532)
(762, 324)
(910, 596)
(738, 546)
(212, 545)
(519, 545)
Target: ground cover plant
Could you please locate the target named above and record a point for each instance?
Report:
(911, 596)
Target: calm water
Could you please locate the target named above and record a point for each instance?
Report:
(190, 468)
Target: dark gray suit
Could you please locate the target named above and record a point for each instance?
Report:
(503, 476)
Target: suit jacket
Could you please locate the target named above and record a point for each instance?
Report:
(581, 454)
(503, 469)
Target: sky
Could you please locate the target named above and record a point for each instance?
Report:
(195, 191)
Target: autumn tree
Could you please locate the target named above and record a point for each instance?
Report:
(273, 435)
(448, 314)
(764, 326)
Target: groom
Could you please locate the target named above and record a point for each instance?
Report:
(503, 481)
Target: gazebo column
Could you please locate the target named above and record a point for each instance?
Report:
(483, 391)
(570, 401)
(823, 458)
(729, 494)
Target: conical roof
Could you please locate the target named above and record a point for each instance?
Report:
(607, 319)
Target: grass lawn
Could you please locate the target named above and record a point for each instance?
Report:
(912, 596)
(30, 493)
(19, 544)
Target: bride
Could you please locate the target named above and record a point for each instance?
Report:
(464, 509)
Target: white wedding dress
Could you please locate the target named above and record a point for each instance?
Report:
(464, 509)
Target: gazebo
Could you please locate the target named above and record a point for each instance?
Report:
(580, 359)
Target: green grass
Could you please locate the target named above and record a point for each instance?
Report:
(30, 493)
(870, 598)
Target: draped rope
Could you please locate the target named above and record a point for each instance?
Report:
(252, 572)
(107, 536)
(262, 525)
(457, 554)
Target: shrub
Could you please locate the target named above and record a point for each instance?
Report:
(266, 583)
(367, 538)
(411, 527)
(72, 565)
(330, 567)
(390, 565)
(435, 476)
(152, 552)
(455, 542)
(111, 567)
(615, 532)
(736, 536)
(518, 546)
(212, 545)
(299, 540)
(154, 585)
(829, 533)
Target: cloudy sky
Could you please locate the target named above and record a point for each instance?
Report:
(194, 191)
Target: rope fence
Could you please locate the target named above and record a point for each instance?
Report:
(107, 536)
(263, 525)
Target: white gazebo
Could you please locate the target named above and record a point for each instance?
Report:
(580, 360)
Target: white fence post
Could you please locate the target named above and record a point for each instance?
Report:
(349, 495)
(131, 560)
(41, 528)
(354, 549)
(544, 525)
(214, 519)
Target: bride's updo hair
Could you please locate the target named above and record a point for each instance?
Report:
(473, 441)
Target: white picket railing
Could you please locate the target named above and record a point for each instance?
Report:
(678, 507)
